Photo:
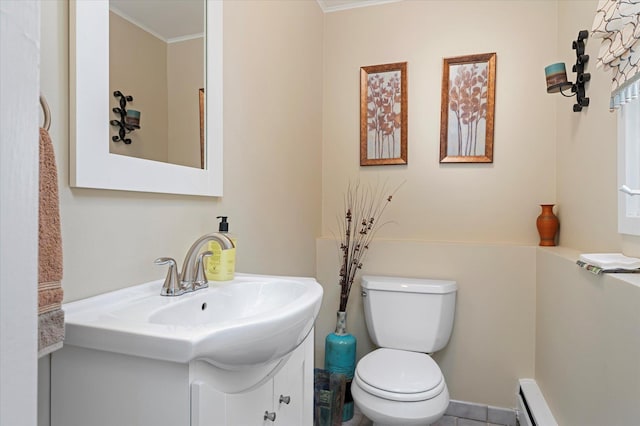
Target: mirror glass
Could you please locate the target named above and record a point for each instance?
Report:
(92, 103)
(157, 59)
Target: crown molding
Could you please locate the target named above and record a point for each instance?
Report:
(329, 6)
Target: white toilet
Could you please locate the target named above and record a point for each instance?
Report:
(408, 318)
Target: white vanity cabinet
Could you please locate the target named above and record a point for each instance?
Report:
(286, 399)
(99, 388)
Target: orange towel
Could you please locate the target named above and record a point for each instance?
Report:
(49, 241)
(49, 300)
(50, 314)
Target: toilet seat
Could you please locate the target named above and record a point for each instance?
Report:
(399, 375)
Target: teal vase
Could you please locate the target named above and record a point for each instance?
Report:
(340, 357)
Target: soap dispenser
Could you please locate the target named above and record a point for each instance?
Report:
(221, 265)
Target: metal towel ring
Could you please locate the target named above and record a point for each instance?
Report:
(46, 112)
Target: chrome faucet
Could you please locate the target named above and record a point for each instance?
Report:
(171, 286)
(192, 277)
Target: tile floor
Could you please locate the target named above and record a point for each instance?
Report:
(360, 420)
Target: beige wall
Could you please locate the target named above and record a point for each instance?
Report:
(185, 77)
(492, 344)
(541, 146)
(138, 67)
(440, 209)
(450, 202)
(272, 159)
(587, 349)
(586, 150)
(291, 144)
(586, 146)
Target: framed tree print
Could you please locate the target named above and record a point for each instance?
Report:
(202, 121)
(467, 109)
(383, 114)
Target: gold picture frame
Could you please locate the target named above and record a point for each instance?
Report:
(468, 109)
(202, 118)
(383, 114)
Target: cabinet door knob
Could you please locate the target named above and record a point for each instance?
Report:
(285, 399)
(269, 416)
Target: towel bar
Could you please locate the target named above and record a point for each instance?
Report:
(46, 112)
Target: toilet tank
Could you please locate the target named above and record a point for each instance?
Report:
(409, 313)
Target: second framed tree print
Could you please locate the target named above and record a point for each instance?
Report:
(467, 109)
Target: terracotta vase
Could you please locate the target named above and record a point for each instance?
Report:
(547, 224)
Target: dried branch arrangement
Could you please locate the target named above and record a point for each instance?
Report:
(364, 207)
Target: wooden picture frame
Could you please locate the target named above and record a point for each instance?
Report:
(383, 114)
(468, 109)
(202, 130)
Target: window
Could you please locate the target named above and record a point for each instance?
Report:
(629, 166)
(617, 22)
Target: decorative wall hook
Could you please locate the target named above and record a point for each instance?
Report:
(557, 75)
(581, 76)
(129, 119)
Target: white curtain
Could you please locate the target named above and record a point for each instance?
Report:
(617, 23)
(627, 93)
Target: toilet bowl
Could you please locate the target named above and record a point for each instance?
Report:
(395, 387)
(408, 319)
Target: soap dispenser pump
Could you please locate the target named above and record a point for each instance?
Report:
(223, 227)
(221, 265)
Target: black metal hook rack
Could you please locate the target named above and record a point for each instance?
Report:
(124, 127)
(581, 77)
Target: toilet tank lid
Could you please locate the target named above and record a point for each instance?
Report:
(409, 285)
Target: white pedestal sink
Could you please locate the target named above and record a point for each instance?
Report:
(237, 353)
(251, 321)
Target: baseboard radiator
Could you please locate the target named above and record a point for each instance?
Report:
(532, 408)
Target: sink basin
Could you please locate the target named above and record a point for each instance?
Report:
(250, 321)
(231, 303)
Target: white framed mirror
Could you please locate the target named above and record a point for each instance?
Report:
(91, 103)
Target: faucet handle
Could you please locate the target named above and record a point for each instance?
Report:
(171, 286)
(201, 277)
